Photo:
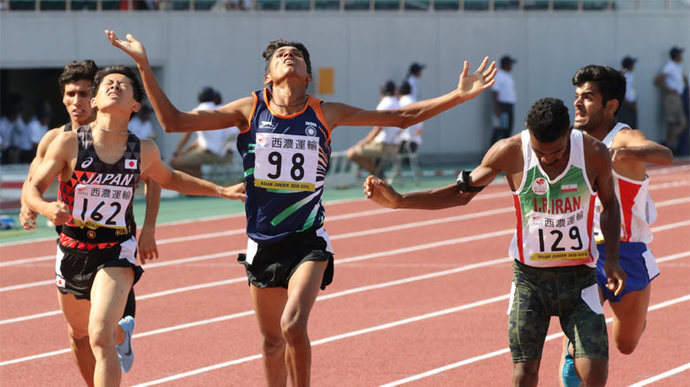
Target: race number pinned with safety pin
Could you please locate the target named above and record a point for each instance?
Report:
(556, 237)
(101, 205)
(285, 161)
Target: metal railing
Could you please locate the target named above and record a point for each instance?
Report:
(340, 5)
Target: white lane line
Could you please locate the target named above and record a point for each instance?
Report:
(661, 376)
(382, 327)
(499, 352)
(321, 298)
(339, 261)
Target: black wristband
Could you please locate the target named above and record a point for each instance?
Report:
(464, 180)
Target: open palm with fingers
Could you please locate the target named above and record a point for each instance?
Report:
(480, 80)
(131, 46)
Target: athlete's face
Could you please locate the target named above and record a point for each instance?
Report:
(77, 100)
(590, 112)
(550, 153)
(116, 94)
(287, 61)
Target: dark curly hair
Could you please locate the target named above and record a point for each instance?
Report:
(548, 119)
(77, 71)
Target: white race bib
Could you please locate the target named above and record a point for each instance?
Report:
(101, 205)
(555, 237)
(285, 161)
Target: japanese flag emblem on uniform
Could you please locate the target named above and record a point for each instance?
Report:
(130, 164)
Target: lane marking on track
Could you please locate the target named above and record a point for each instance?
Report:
(499, 352)
(388, 326)
(320, 298)
(338, 261)
(661, 376)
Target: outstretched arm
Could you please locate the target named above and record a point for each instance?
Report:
(443, 197)
(181, 182)
(171, 119)
(469, 86)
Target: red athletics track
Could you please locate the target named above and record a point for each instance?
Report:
(419, 297)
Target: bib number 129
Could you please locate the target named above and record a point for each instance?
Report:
(555, 237)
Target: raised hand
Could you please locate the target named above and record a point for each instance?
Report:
(131, 46)
(471, 85)
(380, 192)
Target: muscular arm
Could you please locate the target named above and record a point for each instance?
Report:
(634, 145)
(171, 119)
(27, 217)
(443, 197)
(181, 182)
(610, 218)
(58, 158)
(469, 86)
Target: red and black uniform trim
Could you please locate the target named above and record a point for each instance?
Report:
(90, 170)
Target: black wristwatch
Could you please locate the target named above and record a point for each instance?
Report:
(464, 180)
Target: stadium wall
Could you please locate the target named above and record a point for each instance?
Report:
(223, 50)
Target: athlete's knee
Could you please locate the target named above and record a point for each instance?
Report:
(594, 373)
(526, 373)
(626, 346)
(273, 344)
(101, 336)
(77, 333)
(294, 328)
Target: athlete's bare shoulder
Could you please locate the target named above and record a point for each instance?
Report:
(628, 137)
(505, 155)
(592, 146)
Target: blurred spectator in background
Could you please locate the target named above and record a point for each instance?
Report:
(672, 82)
(411, 138)
(17, 135)
(140, 124)
(413, 76)
(628, 111)
(210, 146)
(38, 126)
(381, 142)
(504, 99)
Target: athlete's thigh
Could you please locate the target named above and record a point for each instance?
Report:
(528, 324)
(76, 312)
(584, 324)
(109, 294)
(303, 287)
(630, 313)
(269, 304)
